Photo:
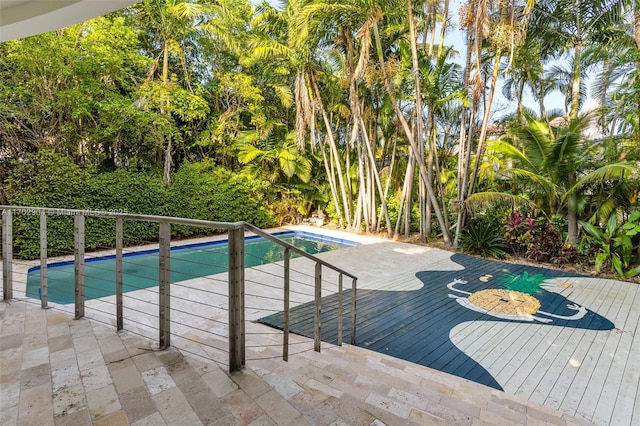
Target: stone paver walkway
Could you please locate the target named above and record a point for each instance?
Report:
(55, 370)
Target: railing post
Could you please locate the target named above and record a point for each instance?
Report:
(43, 260)
(78, 236)
(285, 326)
(119, 322)
(340, 310)
(353, 311)
(317, 311)
(237, 356)
(164, 281)
(7, 255)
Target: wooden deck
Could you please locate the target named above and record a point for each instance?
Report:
(568, 342)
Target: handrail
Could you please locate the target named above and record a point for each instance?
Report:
(291, 247)
(118, 215)
(235, 232)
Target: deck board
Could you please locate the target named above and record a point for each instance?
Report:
(574, 360)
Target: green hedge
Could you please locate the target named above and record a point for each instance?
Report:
(199, 191)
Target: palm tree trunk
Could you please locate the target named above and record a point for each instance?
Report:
(409, 196)
(443, 28)
(463, 148)
(424, 204)
(334, 151)
(376, 178)
(485, 124)
(165, 78)
(405, 126)
(575, 77)
(362, 194)
(388, 183)
(332, 185)
(575, 84)
(636, 14)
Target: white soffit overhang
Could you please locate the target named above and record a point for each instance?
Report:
(24, 18)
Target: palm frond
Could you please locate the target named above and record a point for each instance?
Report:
(483, 200)
(615, 171)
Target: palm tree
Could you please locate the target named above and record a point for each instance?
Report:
(555, 168)
(568, 26)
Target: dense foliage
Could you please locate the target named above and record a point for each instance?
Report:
(228, 110)
(200, 191)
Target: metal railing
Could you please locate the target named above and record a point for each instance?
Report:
(235, 276)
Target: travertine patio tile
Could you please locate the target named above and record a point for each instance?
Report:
(493, 418)
(208, 407)
(88, 360)
(244, 409)
(69, 399)
(57, 318)
(327, 389)
(189, 420)
(262, 421)
(137, 403)
(9, 415)
(63, 359)
(251, 384)
(286, 387)
(35, 357)
(157, 380)
(36, 400)
(412, 399)
(397, 373)
(103, 401)
(80, 327)
(278, 409)
(59, 329)
(400, 409)
(115, 356)
(111, 344)
(40, 418)
(11, 341)
(348, 410)
(35, 376)
(518, 417)
(116, 419)
(59, 343)
(424, 418)
(172, 404)
(219, 382)
(317, 414)
(85, 342)
(75, 418)
(96, 378)
(146, 361)
(187, 379)
(540, 412)
(66, 376)
(461, 406)
(10, 392)
(125, 376)
(152, 420)
(368, 375)
(375, 384)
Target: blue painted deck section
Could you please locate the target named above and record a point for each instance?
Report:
(416, 325)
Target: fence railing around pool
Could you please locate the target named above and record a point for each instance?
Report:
(191, 309)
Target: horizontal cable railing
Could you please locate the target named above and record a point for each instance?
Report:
(194, 296)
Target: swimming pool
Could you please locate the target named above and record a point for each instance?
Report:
(140, 269)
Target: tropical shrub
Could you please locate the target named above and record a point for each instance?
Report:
(200, 191)
(519, 233)
(483, 238)
(615, 247)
